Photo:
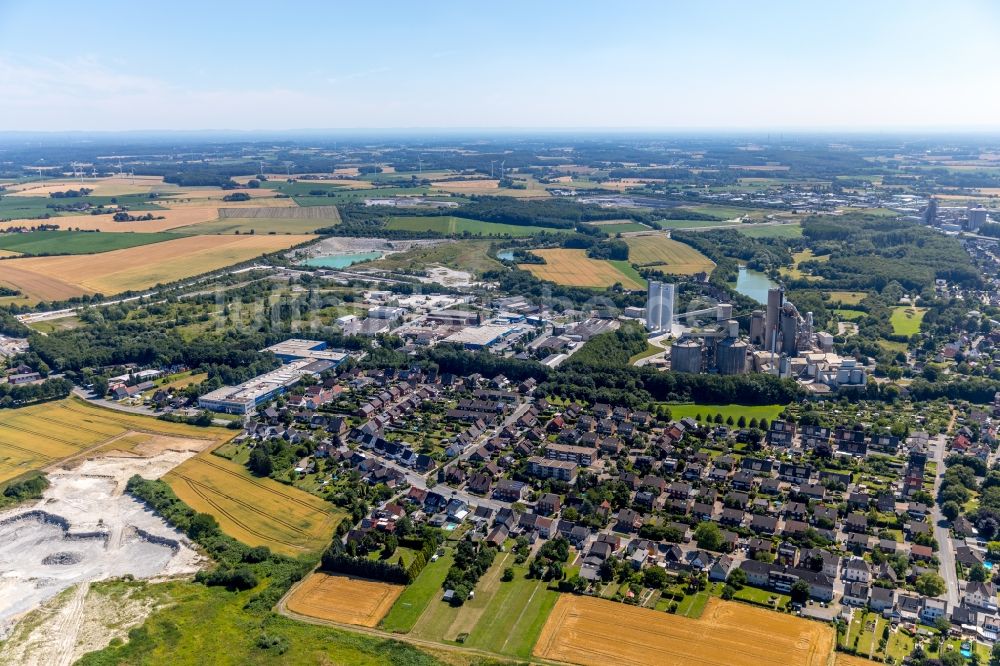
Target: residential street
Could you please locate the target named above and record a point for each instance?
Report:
(942, 533)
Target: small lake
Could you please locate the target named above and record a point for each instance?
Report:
(341, 260)
(754, 284)
(506, 255)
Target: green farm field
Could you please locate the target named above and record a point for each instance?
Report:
(76, 242)
(847, 297)
(793, 230)
(454, 225)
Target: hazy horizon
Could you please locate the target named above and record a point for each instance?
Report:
(563, 66)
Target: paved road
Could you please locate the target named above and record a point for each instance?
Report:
(946, 552)
(131, 409)
(32, 317)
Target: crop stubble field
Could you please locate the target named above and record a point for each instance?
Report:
(595, 632)
(53, 278)
(575, 268)
(669, 255)
(256, 511)
(343, 599)
(37, 436)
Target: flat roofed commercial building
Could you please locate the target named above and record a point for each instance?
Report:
(297, 348)
(479, 337)
(245, 397)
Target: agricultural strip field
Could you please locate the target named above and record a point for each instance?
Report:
(290, 213)
(55, 278)
(906, 320)
(37, 436)
(343, 599)
(575, 268)
(514, 617)
(451, 224)
(412, 603)
(75, 242)
(667, 254)
(682, 410)
(595, 632)
(256, 511)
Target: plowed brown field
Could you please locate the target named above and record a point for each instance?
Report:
(596, 632)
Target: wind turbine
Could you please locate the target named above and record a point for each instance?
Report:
(501, 168)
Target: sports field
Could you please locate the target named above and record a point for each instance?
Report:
(256, 511)
(682, 410)
(343, 599)
(575, 268)
(451, 224)
(906, 320)
(37, 436)
(54, 278)
(75, 242)
(667, 254)
(596, 632)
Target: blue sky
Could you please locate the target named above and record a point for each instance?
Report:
(112, 65)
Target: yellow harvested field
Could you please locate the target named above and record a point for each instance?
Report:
(467, 185)
(343, 599)
(667, 255)
(851, 660)
(42, 435)
(207, 196)
(136, 268)
(107, 187)
(597, 632)
(255, 510)
(575, 268)
(172, 219)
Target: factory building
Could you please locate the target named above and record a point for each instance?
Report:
(775, 299)
(976, 218)
(757, 328)
(296, 349)
(685, 355)
(660, 306)
(731, 356)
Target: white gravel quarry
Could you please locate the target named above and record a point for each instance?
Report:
(85, 529)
